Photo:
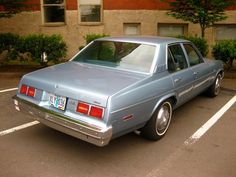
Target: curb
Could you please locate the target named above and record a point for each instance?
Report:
(228, 89)
(11, 75)
(230, 75)
(18, 75)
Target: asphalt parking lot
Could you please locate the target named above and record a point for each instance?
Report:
(43, 152)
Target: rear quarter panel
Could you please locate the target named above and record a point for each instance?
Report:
(215, 67)
(138, 101)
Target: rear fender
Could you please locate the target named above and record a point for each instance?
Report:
(221, 72)
(166, 97)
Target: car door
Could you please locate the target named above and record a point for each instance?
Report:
(181, 75)
(199, 67)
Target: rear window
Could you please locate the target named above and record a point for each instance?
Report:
(121, 55)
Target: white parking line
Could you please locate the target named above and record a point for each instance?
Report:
(20, 127)
(5, 132)
(8, 90)
(202, 130)
(167, 164)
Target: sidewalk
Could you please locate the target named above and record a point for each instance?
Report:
(228, 83)
(16, 71)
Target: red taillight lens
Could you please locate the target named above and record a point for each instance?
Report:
(90, 110)
(82, 108)
(31, 91)
(23, 89)
(96, 112)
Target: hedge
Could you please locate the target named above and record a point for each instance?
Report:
(225, 50)
(36, 44)
(8, 41)
(90, 37)
(199, 42)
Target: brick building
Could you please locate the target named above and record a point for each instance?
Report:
(75, 18)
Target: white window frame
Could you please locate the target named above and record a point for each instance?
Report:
(43, 14)
(91, 23)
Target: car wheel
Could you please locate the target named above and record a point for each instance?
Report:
(214, 89)
(159, 123)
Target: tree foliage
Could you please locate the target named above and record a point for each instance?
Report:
(202, 12)
(8, 8)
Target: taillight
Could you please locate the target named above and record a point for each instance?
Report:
(83, 108)
(96, 112)
(31, 91)
(23, 89)
(90, 110)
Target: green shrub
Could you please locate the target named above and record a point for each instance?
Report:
(36, 44)
(55, 48)
(199, 42)
(90, 37)
(225, 50)
(33, 44)
(9, 41)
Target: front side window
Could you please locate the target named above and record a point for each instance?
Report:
(120, 55)
(90, 10)
(193, 56)
(53, 11)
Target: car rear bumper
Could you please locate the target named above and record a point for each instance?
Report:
(90, 133)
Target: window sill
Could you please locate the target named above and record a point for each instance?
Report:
(54, 24)
(90, 23)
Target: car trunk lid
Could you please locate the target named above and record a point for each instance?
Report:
(87, 83)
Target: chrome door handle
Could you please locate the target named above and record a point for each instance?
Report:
(178, 79)
(195, 73)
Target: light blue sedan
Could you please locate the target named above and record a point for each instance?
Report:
(117, 85)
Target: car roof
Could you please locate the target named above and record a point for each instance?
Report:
(143, 39)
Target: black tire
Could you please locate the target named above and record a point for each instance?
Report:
(159, 123)
(214, 89)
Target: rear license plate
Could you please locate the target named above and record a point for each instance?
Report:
(58, 102)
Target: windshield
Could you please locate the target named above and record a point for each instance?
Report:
(123, 55)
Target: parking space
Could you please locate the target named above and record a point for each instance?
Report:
(42, 151)
(8, 83)
(213, 155)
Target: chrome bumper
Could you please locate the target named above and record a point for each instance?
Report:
(89, 133)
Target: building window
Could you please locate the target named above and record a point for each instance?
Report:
(225, 32)
(53, 11)
(90, 11)
(172, 30)
(132, 28)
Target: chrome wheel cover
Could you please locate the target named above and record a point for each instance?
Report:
(217, 85)
(163, 118)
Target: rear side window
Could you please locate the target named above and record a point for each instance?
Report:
(192, 54)
(176, 58)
